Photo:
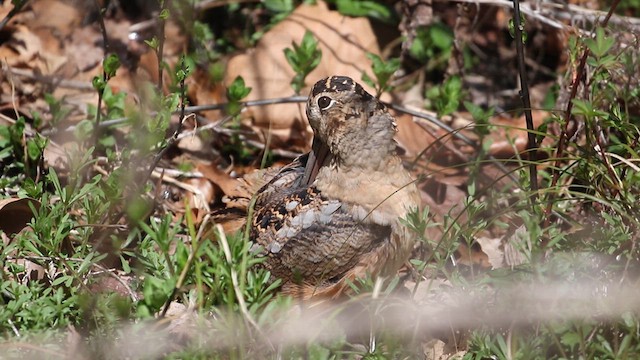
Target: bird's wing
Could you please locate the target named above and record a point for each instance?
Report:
(285, 179)
(266, 184)
(310, 239)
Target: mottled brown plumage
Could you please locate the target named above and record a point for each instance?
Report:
(324, 224)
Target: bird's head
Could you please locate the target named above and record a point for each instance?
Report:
(351, 127)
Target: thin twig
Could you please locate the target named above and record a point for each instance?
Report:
(106, 47)
(160, 49)
(532, 146)
(51, 79)
(200, 108)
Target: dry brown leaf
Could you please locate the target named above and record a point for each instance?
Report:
(115, 282)
(56, 156)
(512, 133)
(205, 189)
(492, 247)
(515, 245)
(32, 271)
(411, 136)
(82, 49)
(437, 349)
(228, 184)
(442, 198)
(62, 16)
(344, 42)
(15, 214)
(471, 256)
(195, 145)
(5, 8)
(25, 48)
(204, 91)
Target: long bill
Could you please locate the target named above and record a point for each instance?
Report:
(317, 156)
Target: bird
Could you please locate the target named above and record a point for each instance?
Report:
(332, 217)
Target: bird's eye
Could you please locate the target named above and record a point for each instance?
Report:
(325, 102)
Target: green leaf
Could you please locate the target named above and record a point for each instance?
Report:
(570, 339)
(441, 36)
(279, 6)
(138, 208)
(371, 9)
(368, 80)
(582, 107)
(153, 43)
(237, 90)
(83, 130)
(110, 65)
(601, 45)
(446, 97)
(108, 141)
(164, 14)
(201, 32)
(512, 29)
(5, 137)
(383, 71)
(303, 58)
(98, 83)
(33, 150)
(480, 116)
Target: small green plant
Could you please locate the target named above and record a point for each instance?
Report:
(446, 98)
(372, 9)
(433, 46)
(19, 153)
(236, 91)
(382, 71)
(281, 8)
(303, 59)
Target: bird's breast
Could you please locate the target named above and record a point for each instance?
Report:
(379, 197)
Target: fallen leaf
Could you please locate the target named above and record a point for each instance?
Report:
(32, 271)
(516, 245)
(204, 91)
(511, 134)
(472, 255)
(411, 136)
(5, 8)
(15, 214)
(228, 184)
(492, 247)
(62, 16)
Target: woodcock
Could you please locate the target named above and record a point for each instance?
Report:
(332, 216)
